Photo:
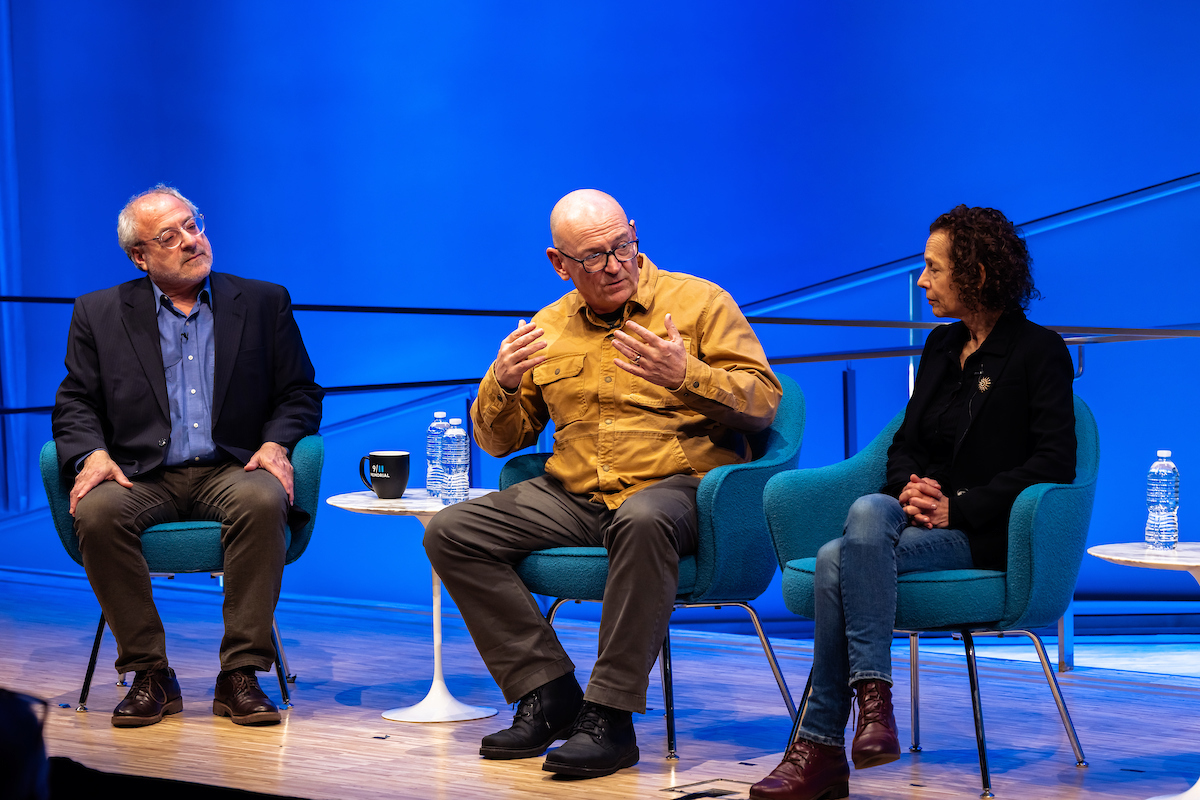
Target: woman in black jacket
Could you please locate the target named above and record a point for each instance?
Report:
(991, 414)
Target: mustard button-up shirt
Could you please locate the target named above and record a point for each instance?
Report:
(616, 433)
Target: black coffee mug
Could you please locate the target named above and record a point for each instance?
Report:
(389, 473)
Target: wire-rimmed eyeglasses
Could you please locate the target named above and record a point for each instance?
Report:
(598, 261)
(173, 237)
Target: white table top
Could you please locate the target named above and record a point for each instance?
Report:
(1185, 556)
(415, 502)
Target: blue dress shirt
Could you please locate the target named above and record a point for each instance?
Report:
(188, 362)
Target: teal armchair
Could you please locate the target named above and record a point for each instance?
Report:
(1047, 537)
(191, 546)
(734, 562)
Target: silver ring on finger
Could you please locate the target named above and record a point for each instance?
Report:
(636, 359)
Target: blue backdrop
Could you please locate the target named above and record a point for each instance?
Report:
(408, 154)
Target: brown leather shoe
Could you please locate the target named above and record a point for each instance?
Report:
(809, 771)
(875, 739)
(239, 697)
(154, 692)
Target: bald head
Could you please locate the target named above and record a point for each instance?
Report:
(582, 209)
(589, 223)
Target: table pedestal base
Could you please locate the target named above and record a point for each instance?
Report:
(1191, 794)
(438, 706)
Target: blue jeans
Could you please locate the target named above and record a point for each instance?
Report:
(856, 604)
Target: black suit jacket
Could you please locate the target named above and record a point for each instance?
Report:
(1021, 430)
(115, 392)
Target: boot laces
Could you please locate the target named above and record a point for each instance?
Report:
(591, 720)
(871, 706)
(801, 752)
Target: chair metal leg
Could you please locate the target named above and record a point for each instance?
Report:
(977, 708)
(769, 652)
(1058, 698)
(664, 669)
(914, 682)
(800, 711)
(280, 652)
(554, 609)
(91, 667)
(1066, 641)
(280, 665)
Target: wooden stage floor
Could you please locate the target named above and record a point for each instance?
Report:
(1139, 732)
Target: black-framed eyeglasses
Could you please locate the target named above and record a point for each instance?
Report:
(37, 706)
(173, 237)
(598, 261)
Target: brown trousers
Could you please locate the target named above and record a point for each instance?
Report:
(252, 509)
(475, 546)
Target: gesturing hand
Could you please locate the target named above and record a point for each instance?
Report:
(660, 361)
(517, 355)
(922, 499)
(97, 468)
(273, 458)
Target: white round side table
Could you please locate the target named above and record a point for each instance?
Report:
(439, 705)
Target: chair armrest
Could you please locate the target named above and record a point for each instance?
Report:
(734, 557)
(1047, 538)
(308, 458)
(58, 493)
(522, 468)
(806, 508)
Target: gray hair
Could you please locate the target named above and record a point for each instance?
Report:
(127, 235)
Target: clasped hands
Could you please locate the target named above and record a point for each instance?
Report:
(661, 361)
(922, 500)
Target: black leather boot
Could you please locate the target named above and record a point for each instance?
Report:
(543, 715)
(602, 742)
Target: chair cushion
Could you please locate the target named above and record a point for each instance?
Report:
(580, 573)
(191, 546)
(951, 599)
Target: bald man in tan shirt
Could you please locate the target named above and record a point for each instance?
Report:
(651, 378)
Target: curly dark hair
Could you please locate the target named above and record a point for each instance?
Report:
(985, 236)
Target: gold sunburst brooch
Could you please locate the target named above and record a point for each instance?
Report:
(985, 383)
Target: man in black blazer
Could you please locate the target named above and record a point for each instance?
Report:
(185, 392)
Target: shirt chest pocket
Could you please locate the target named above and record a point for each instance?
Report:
(561, 382)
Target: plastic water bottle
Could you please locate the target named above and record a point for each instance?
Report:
(434, 473)
(456, 461)
(1162, 498)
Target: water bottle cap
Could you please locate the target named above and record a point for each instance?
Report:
(439, 414)
(1164, 453)
(457, 421)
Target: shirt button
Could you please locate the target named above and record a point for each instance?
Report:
(195, 424)
(162, 442)
(608, 379)
(193, 391)
(605, 467)
(557, 371)
(190, 358)
(197, 458)
(695, 384)
(608, 422)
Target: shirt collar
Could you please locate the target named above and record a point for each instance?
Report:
(205, 296)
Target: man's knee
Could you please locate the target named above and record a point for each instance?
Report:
(260, 496)
(102, 510)
(440, 540)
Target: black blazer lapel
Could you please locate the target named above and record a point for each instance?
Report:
(993, 358)
(141, 325)
(229, 316)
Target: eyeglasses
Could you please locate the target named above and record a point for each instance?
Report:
(598, 261)
(173, 237)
